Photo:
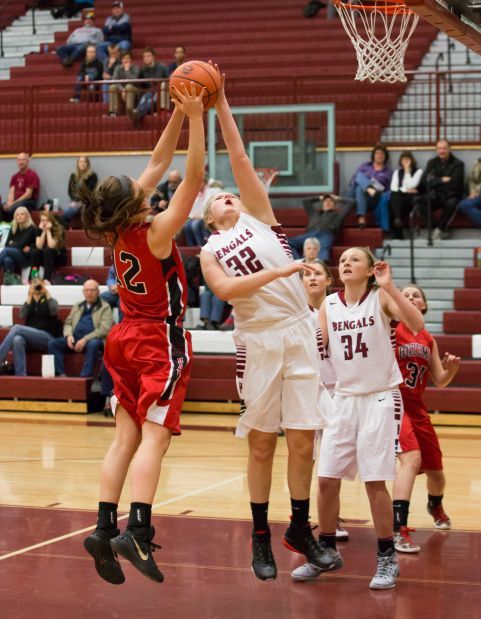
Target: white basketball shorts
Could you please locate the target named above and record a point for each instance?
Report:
(362, 436)
(278, 379)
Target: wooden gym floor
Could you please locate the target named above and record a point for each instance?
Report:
(49, 475)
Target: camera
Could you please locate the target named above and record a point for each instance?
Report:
(38, 287)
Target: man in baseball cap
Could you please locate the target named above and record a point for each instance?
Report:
(117, 31)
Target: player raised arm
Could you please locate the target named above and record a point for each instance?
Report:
(163, 152)
(225, 287)
(443, 370)
(253, 194)
(393, 302)
(166, 224)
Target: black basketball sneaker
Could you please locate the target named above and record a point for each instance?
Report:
(263, 564)
(106, 562)
(299, 538)
(138, 550)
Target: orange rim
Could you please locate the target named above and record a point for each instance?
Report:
(388, 7)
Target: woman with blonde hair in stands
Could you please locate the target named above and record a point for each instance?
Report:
(83, 176)
(49, 249)
(16, 254)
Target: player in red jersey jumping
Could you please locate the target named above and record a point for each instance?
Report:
(149, 353)
(418, 354)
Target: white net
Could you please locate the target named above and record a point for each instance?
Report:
(380, 31)
(267, 176)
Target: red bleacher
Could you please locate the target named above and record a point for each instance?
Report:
(270, 53)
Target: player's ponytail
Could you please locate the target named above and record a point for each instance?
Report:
(110, 207)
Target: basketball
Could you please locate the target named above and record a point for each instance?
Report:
(200, 73)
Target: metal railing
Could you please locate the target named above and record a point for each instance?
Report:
(39, 117)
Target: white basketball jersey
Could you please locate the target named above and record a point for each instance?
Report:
(326, 369)
(251, 246)
(361, 345)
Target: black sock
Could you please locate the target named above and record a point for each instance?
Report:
(139, 517)
(329, 539)
(435, 501)
(300, 511)
(384, 544)
(259, 516)
(107, 516)
(401, 513)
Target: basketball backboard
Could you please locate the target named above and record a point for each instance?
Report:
(459, 19)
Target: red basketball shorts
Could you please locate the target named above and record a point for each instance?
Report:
(150, 364)
(417, 433)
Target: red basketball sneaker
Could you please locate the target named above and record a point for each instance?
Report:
(441, 519)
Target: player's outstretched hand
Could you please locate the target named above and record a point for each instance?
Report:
(189, 102)
(382, 273)
(221, 96)
(294, 267)
(451, 363)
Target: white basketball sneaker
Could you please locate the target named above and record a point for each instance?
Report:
(308, 571)
(387, 571)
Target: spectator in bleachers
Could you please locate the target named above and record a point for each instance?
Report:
(211, 310)
(49, 249)
(83, 175)
(310, 249)
(84, 330)
(179, 55)
(404, 188)
(165, 191)
(117, 29)
(324, 220)
(126, 91)
(471, 206)
(16, 254)
(110, 64)
(111, 296)
(77, 42)
(195, 232)
(370, 185)
(441, 187)
(24, 189)
(71, 8)
(91, 70)
(41, 325)
(151, 69)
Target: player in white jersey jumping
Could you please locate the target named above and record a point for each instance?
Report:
(247, 261)
(363, 433)
(317, 286)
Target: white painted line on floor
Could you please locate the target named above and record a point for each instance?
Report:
(186, 495)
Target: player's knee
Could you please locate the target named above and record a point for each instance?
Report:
(301, 444)
(262, 450)
(328, 485)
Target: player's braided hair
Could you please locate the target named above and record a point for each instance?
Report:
(110, 207)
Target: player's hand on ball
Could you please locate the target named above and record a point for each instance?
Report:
(382, 273)
(189, 102)
(221, 96)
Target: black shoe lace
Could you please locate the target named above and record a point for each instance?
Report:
(263, 549)
(310, 539)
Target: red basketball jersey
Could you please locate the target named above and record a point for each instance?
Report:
(413, 353)
(149, 288)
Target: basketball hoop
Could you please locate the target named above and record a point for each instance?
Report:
(380, 31)
(267, 176)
